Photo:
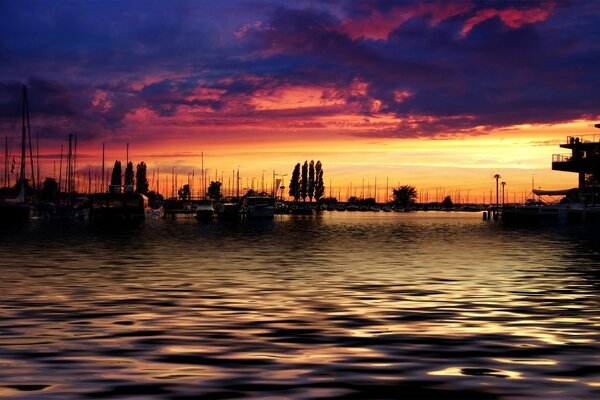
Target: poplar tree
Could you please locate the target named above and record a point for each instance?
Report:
(295, 183)
(129, 174)
(115, 179)
(304, 182)
(311, 180)
(141, 181)
(319, 186)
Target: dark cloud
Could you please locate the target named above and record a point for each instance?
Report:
(437, 67)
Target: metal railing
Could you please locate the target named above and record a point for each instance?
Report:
(583, 139)
(561, 157)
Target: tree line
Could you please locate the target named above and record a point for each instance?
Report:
(307, 181)
(140, 182)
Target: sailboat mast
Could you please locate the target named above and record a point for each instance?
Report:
(30, 143)
(69, 169)
(375, 190)
(23, 138)
(60, 169)
(74, 166)
(37, 139)
(6, 161)
(102, 187)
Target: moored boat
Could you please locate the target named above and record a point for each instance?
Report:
(17, 210)
(205, 210)
(109, 207)
(259, 207)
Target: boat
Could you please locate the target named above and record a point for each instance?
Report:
(17, 210)
(540, 213)
(205, 210)
(301, 210)
(118, 206)
(228, 211)
(259, 207)
(14, 211)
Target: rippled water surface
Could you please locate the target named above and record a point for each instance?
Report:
(423, 306)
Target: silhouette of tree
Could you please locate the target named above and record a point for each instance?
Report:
(447, 203)
(129, 174)
(141, 181)
(405, 196)
(214, 190)
(295, 183)
(319, 187)
(304, 181)
(184, 192)
(311, 180)
(50, 190)
(115, 179)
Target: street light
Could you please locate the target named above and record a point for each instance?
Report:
(497, 177)
(503, 184)
(281, 185)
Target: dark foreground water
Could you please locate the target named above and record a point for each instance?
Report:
(415, 306)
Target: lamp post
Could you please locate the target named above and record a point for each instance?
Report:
(281, 185)
(503, 184)
(497, 177)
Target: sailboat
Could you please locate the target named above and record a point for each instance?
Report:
(17, 210)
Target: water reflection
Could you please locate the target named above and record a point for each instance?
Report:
(429, 305)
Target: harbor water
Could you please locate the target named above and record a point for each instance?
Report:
(425, 305)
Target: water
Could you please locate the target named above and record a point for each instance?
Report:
(345, 305)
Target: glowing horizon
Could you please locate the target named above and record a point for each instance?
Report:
(447, 166)
(437, 95)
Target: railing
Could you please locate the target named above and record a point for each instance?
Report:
(561, 157)
(583, 139)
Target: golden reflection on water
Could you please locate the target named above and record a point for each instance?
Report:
(526, 362)
(301, 307)
(462, 371)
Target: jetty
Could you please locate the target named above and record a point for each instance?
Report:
(578, 204)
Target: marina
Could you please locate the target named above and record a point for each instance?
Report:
(269, 200)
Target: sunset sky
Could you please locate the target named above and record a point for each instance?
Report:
(434, 94)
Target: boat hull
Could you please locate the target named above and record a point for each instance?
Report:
(205, 215)
(551, 214)
(12, 214)
(267, 212)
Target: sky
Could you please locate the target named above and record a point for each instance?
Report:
(441, 95)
